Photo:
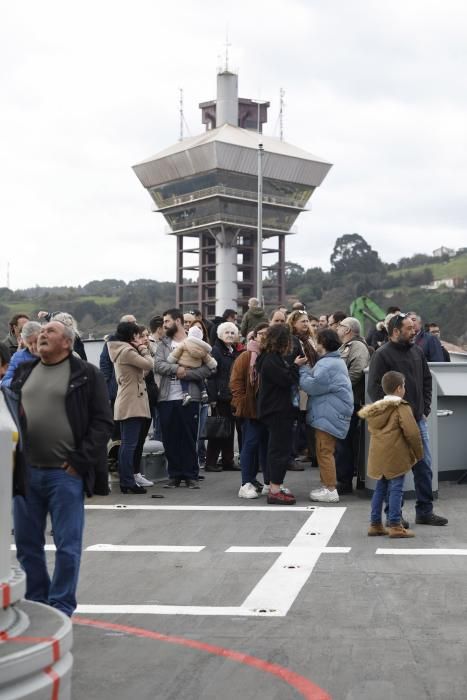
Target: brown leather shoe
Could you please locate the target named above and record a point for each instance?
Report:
(400, 531)
(377, 529)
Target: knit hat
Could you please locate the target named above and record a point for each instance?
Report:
(195, 332)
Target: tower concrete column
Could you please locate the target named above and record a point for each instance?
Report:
(226, 270)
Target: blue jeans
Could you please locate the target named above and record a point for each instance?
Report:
(422, 474)
(389, 490)
(254, 450)
(130, 430)
(62, 495)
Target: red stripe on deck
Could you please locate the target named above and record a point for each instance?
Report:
(308, 690)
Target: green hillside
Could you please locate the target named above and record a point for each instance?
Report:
(455, 267)
(356, 270)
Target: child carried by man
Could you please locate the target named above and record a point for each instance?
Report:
(192, 353)
(395, 446)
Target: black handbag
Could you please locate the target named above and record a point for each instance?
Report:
(217, 428)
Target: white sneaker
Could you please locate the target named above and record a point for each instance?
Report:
(141, 480)
(266, 489)
(325, 495)
(248, 491)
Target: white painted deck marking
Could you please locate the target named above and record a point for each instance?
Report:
(276, 591)
(269, 509)
(281, 585)
(141, 548)
(268, 550)
(128, 548)
(172, 610)
(426, 552)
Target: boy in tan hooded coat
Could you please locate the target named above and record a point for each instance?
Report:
(395, 446)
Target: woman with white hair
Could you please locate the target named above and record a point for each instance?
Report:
(28, 351)
(220, 396)
(68, 320)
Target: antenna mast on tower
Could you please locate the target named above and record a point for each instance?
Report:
(227, 44)
(182, 118)
(281, 114)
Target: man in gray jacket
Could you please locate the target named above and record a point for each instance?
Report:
(253, 317)
(179, 423)
(354, 351)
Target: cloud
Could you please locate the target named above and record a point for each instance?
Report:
(88, 90)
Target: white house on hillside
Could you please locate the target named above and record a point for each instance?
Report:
(439, 252)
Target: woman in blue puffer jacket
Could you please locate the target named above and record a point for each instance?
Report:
(330, 406)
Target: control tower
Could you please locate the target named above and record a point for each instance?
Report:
(206, 187)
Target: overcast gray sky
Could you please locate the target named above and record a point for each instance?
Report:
(88, 89)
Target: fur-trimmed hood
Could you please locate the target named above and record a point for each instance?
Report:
(379, 413)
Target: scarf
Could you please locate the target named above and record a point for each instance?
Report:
(254, 350)
(308, 349)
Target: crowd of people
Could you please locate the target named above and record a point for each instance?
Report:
(287, 387)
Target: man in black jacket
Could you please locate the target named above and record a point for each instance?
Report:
(402, 355)
(428, 343)
(64, 418)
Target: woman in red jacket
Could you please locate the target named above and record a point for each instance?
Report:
(244, 387)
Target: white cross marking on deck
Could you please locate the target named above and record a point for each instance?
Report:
(277, 590)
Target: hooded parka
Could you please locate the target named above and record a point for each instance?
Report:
(395, 442)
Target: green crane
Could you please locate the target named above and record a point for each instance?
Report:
(364, 308)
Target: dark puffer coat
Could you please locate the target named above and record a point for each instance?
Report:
(218, 384)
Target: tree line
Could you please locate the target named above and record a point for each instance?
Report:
(356, 270)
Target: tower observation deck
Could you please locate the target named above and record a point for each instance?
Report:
(206, 187)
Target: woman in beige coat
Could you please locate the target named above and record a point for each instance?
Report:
(132, 360)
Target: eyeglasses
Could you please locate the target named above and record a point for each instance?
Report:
(342, 325)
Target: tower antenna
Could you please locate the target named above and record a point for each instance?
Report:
(182, 118)
(281, 114)
(227, 44)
